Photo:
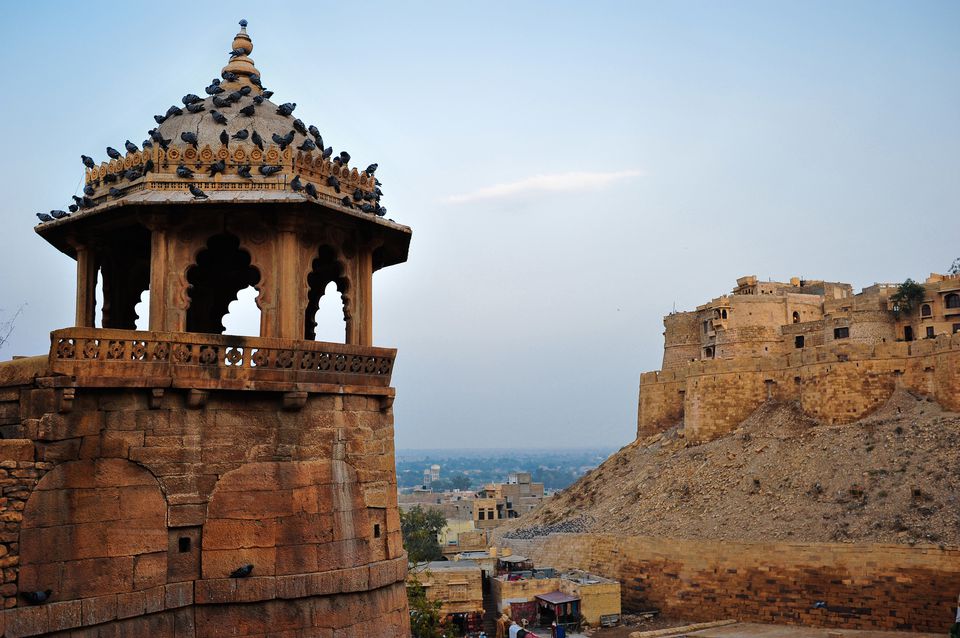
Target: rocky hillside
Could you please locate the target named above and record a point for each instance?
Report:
(893, 477)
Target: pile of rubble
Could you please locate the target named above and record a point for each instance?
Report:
(888, 478)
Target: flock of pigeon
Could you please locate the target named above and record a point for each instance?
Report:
(367, 202)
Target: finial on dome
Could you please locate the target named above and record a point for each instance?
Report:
(240, 64)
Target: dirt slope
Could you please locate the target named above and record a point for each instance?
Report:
(893, 477)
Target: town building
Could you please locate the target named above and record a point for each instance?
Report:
(456, 584)
(178, 481)
(840, 354)
(498, 502)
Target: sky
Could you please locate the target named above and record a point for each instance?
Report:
(571, 171)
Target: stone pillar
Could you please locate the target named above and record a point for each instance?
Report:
(86, 287)
(360, 327)
(289, 287)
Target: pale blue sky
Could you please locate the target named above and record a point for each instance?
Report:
(570, 170)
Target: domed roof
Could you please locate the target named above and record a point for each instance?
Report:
(207, 154)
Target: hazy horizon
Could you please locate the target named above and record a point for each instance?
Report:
(571, 172)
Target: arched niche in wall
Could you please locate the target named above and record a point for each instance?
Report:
(221, 270)
(93, 528)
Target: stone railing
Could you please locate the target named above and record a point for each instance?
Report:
(110, 357)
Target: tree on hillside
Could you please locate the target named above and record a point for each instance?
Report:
(420, 528)
(955, 267)
(426, 619)
(908, 296)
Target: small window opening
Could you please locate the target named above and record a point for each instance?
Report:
(925, 310)
(183, 544)
(908, 333)
(376, 530)
(142, 310)
(841, 333)
(243, 315)
(930, 334)
(329, 316)
(798, 341)
(723, 313)
(952, 300)
(796, 317)
(956, 328)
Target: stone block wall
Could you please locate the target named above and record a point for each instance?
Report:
(888, 587)
(133, 505)
(835, 383)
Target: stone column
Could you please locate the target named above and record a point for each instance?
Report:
(289, 322)
(86, 286)
(360, 328)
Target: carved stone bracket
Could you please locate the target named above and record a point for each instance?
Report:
(66, 397)
(197, 398)
(294, 401)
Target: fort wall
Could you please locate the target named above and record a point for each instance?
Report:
(134, 504)
(839, 382)
(864, 586)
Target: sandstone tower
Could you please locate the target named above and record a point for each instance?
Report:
(141, 468)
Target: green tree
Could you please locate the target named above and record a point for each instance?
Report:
(420, 528)
(426, 619)
(955, 267)
(908, 296)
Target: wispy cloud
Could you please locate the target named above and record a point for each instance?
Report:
(556, 182)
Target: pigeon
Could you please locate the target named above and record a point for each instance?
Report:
(221, 102)
(244, 171)
(190, 138)
(148, 167)
(238, 52)
(299, 127)
(213, 89)
(381, 211)
(88, 190)
(268, 170)
(156, 137)
(267, 95)
(820, 604)
(196, 192)
(147, 144)
(190, 98)
(344, 157)
(174, 110)
(225, 138)
(79, 201)
(133, 173)
(113, 153)
(327, 152)
(315, 132)
(370, 170)
(59, 214)
(242, 572)
(184, 172)
(307, 146)
(196, 108)
(109, 178)
(88, 161)
(367, 208)
(114, 192)
(130, 146)
(241, 134)
(378, 192)
(296, 184)
(218, 167)
(159, 119)
(229, 76)
(333, 181)
(256, 80)
(258, 99)
(368, 196)
(345, 200)
(218, 117)
(311, 190)
(286, 108)
(235, 96)
(73, 208)
(282, 142)
(248, 110)
(44, 217)
(256, 139)
(36, 597)
(245, 90)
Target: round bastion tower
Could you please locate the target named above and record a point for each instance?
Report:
(182, 482)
